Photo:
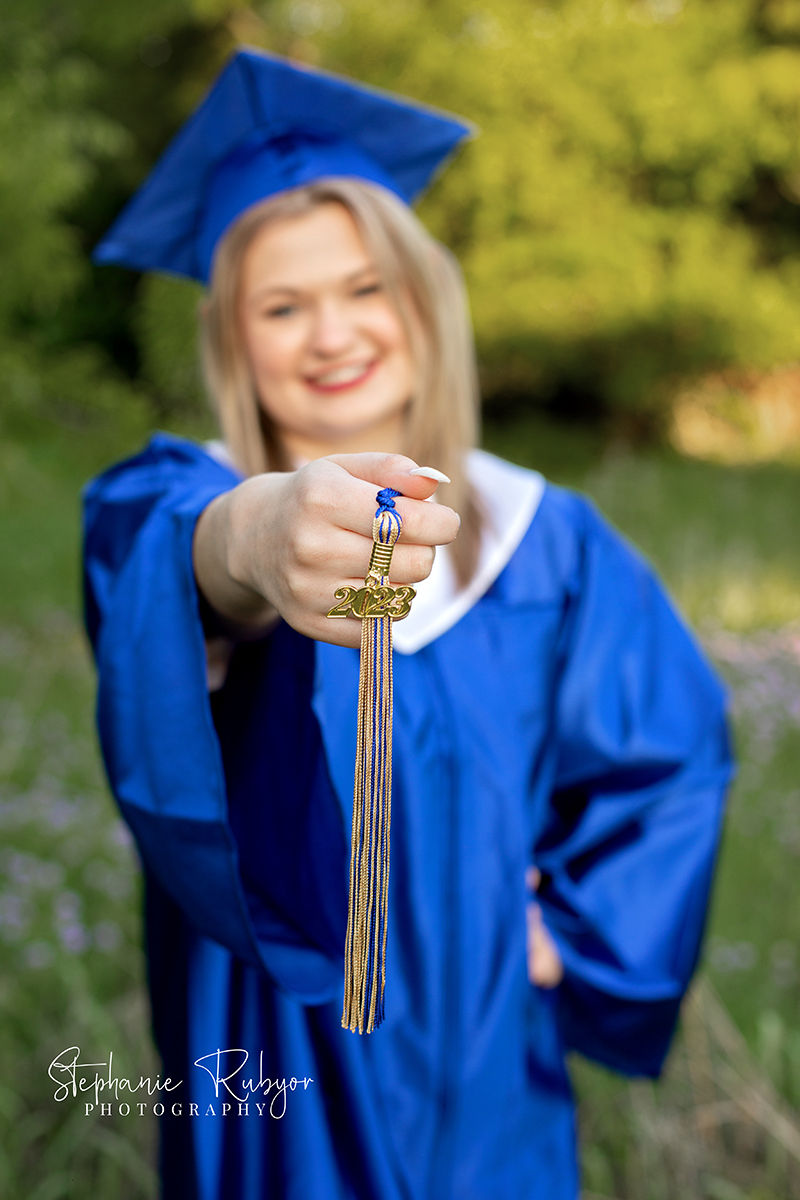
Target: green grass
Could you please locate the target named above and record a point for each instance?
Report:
(70, 938)
(723, 538)
(72, 971)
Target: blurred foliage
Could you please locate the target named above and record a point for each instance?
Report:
(740, 416)
(82, 116)
(165, 325)
(628, 219)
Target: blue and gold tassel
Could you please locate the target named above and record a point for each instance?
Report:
(376, 604)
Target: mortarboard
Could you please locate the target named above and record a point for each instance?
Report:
(265, 126)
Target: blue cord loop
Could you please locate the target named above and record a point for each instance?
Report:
(388, 523)
(385, 498)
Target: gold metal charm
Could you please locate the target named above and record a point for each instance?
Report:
(372, 601)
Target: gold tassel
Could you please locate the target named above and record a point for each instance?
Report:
(377, 605)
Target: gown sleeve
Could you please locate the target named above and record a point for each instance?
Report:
(160, 745)
(642, 765)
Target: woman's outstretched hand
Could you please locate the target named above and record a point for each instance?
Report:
(282, 543)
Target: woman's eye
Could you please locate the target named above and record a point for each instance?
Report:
(368, 289)
(281, 310)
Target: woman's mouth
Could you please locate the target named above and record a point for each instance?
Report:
(338, 379)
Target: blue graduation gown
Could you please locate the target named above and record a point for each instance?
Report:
(567, 720)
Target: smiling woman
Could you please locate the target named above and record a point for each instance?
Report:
(559, 743)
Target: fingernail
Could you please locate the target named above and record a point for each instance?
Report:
(430, 473)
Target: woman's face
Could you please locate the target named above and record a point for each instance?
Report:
(329, 354)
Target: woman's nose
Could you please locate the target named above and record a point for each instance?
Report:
(332, 332)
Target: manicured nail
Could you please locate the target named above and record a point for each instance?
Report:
(430, 473)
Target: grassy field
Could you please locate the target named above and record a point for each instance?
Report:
(723, 1125)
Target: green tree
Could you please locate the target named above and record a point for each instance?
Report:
(84, 110)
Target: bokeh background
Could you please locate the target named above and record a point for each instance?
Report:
(629, 226)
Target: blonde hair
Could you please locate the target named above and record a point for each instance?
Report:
(424, 283)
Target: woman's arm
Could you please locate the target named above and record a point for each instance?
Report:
(285, 540)
(283, 543)
(628, 851)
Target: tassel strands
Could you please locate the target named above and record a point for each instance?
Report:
(376, 604)
(365, 945)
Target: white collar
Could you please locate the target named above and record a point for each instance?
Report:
(509, 497)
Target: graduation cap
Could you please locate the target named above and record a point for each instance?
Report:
(265, 126)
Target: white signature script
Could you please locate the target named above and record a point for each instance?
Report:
(68, 1072)
(225, 1068)
(242, 1089)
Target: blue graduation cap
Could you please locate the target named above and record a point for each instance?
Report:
(268, 125)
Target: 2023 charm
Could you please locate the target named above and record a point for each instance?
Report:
(372, 600)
